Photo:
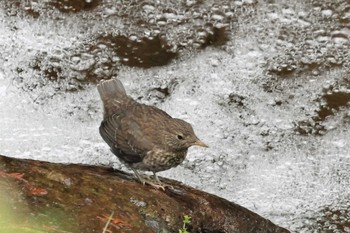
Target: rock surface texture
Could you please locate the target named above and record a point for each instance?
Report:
(48, 197)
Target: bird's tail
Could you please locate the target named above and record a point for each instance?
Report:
(111, 89)
(113, 95)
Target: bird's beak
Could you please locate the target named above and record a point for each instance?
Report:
(199, 143)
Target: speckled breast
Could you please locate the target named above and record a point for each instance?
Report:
(161, 160)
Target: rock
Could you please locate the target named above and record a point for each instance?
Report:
(40, 196)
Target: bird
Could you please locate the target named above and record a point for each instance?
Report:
(143, 137)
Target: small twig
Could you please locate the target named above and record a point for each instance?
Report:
(109, 220)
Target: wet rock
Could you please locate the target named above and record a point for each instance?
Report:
(99, 197)
(237, 100)
(334, 99)
(74, 5)
(141, 52)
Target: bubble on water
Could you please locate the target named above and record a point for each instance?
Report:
(82, 62)
(148, 7)
(327, 41)
(74, 5)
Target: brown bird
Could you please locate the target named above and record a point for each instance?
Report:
(143, 137)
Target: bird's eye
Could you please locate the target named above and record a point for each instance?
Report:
(180, 137)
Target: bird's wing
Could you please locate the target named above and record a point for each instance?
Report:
(108, 129)
(125, 137)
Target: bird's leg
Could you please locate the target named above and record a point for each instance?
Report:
(156, 177)
(161, 183)
(138, 176)
(148, 180)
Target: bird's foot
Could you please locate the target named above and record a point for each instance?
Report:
(156, 183)
(153, 181)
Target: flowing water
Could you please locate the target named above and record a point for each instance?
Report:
(265, 83)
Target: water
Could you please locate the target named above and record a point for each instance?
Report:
(266, 85)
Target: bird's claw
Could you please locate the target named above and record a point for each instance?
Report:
(153, 181)
(157, 186)
(156, 183)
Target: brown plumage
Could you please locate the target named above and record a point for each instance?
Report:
(143, 137)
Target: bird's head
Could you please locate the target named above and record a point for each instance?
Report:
(180, 135)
